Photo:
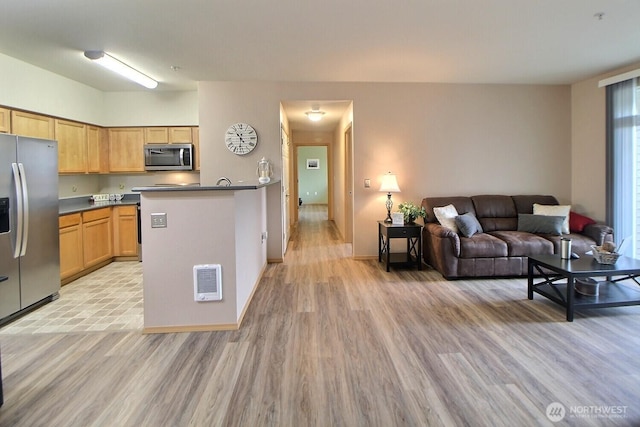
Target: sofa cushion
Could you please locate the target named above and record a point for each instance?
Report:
(446, 216)
(541, 224)
(520, 243)
(554, 210)
(524, 203)
(468, 224)
(495, 212)
(483, 245)
(462, 205)
(580, 244)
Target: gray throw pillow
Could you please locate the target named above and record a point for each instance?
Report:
(543, 224)
(468, 224)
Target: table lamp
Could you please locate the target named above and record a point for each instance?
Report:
(389, 185)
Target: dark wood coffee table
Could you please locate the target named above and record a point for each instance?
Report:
(558, 279)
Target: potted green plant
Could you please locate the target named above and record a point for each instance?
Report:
(411, 212)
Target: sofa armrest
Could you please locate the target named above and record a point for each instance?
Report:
(443, 234)
(600, 233)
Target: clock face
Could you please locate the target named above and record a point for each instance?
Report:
(241, 138)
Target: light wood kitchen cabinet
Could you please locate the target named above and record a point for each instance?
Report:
(126, 150)
(72, 146)
(5, 120)
(196, 147)
(71, 261)
(168, 135)
(35, 125)
(96, 236)
(125, 231)
(180, 135)
(97, 150)
(156, 135)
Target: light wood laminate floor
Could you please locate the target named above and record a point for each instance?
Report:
(332, 341)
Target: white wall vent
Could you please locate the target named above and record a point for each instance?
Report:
(207, 282)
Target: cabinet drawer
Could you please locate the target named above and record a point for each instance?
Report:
(127, 210)
(404, 232)
(96, 214)
(69, 220)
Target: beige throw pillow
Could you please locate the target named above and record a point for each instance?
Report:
(446, 216)
(554, 210)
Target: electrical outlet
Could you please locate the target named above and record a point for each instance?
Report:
(265, 236)
(158, 220)
(121, 186)
(367, 183)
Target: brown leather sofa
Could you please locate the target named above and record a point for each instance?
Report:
(500, 250)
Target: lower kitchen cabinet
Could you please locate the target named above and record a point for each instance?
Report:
(125, 231)
(96, 236)
(71, 260)
(92, 239)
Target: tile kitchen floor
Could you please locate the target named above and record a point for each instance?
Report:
(109, 299)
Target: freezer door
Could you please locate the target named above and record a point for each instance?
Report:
(40, 265)
(9, 266)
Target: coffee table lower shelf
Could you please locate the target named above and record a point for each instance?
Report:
(611, 294)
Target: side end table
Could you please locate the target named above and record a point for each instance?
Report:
(411, 232)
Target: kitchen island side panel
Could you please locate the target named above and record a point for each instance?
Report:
(200, 230)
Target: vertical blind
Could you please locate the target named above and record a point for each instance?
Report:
(623, 163)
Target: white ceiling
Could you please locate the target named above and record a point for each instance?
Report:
(453, 41)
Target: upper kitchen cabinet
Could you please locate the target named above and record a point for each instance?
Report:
(164, 135)
(72, 146)
(97, 150)
(180, 135)
(5, 120)
(126, 150)
(34, 125)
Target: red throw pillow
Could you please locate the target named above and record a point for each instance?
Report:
(578, 222)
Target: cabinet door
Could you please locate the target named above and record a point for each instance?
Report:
(34, 125)
(156, 135)
(196, 146)
(71, 261)
(125, 232)
(180, 135)
(5, 120)
(126, 147)
(72, 146)
(96, 236)
(97, 150)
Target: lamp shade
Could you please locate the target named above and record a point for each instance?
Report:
(389, 184)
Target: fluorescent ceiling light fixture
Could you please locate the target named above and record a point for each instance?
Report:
(111, 63)
(315, 115)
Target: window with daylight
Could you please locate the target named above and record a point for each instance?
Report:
(623, 162)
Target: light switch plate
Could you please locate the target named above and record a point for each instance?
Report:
(159, 220)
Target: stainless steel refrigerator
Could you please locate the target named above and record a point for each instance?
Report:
(29, 237)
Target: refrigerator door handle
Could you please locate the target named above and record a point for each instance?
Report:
(25, 203)
(19, 208)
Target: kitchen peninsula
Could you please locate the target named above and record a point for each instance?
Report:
(187, 226)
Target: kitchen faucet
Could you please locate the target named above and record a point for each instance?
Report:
(223, 179)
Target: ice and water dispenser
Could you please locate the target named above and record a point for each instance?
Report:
(4, 214)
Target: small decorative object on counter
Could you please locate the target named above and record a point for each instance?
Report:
(411, 212)
(264, 171)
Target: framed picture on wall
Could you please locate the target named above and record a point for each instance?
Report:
(313, 163)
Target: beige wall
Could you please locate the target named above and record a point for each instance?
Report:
(588, 144)
(440, 139)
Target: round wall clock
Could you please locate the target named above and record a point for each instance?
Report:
(241, 138)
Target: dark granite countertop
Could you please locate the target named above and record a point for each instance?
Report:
(81, 204)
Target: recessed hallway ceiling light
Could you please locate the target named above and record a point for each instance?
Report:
(315, 115)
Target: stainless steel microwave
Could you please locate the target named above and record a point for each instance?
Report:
(168, 157)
